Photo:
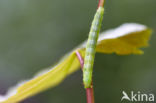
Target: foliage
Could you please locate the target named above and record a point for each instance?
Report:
(126, 39)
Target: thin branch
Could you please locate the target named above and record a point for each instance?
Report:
(89, 91)
(101, 3)
(90, 95)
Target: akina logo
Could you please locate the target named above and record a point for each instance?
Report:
(138, 96)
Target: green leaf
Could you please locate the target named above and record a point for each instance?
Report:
(127, 39)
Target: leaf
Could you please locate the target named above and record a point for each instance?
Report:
(49, 79)
(127, 39)
(130, 38)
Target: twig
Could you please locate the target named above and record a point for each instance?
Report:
(101, 3)
(89, 91)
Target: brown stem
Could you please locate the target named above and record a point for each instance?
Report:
(101, 3)
(90, 95)
(89, 91)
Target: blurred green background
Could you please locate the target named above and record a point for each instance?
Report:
(34, 34)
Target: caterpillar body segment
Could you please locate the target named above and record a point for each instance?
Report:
(91, 47)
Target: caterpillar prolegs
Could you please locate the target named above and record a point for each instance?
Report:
(91, 47)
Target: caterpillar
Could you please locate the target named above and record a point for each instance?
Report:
(91, 47)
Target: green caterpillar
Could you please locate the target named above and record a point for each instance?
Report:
(91, 47)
